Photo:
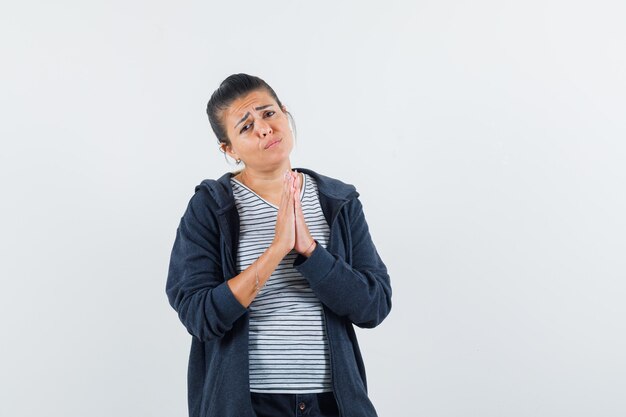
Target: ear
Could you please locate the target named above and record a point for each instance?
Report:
(229, 151)
(284, 109)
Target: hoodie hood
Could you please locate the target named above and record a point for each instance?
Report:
(222, 192)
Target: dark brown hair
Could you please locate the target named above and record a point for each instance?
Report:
(232, 88)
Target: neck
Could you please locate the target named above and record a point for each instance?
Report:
(267, 181)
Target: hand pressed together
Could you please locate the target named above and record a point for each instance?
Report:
(291, 231)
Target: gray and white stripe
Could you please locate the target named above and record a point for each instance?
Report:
(288, 347)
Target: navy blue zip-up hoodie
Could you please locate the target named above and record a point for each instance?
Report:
(348, 277)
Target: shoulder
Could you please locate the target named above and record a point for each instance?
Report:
(217, 194)
(330, 186)
(209, 197)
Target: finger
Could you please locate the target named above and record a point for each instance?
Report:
(296, 184)
(298, 205)
(291, 190)
(297, 198)
(299, 186)
(295, 180)
(283, 197)
(288, 184)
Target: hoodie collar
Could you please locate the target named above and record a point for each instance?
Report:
(222, 191)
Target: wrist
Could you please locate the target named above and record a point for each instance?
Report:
(310, 249)
(277, 250)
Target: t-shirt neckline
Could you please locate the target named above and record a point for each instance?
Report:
(304, 182)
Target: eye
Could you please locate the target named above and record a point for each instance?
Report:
(269, 113)
(243, 129)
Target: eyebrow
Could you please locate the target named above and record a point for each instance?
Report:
(248, 113)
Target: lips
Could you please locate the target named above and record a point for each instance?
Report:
(272, 143)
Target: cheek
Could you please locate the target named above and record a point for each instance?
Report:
(290, 145)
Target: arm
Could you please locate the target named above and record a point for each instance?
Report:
(207, 304)
(196, 287)
(361, 291)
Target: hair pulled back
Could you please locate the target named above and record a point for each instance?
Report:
(233, 87)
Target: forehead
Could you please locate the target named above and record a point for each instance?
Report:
(247, 103)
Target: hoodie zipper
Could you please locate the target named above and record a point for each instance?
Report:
(330, 345)
(332, 370)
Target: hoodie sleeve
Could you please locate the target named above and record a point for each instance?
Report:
(361, 291)
(196, 287)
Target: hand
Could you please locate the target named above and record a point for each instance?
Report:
(304, 243)
(285, 231)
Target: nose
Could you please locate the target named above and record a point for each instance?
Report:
(264, 128)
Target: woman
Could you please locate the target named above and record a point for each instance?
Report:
(271, 268)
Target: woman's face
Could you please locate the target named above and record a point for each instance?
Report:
(258, 131)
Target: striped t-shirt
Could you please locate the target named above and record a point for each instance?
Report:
(288, 347)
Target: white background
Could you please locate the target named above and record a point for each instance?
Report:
(486, 139)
